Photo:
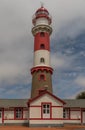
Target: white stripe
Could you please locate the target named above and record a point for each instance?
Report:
(41, 54)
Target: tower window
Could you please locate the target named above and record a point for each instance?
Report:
(42, 77)
(42, 60)
(42, 46)
(42, 34)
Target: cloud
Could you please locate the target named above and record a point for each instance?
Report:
(60, 61)
(80, 80)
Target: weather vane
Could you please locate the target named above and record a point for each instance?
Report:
(42, 4)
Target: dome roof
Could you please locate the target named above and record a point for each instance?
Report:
(42, 9)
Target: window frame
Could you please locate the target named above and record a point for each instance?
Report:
(46, 110)
(18, 113)
(42, 46)
(42, 60)
(42, 79)
(66, 113)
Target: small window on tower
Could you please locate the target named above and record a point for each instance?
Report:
(42, 77)
(42, 60)
(42, 34)
(42, 46)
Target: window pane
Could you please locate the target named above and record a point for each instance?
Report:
(48, 111)
(42, 60)
(48, 106)
(18, 113)
(44, 106)
(42, 46)
(66, 113)
(44, 111)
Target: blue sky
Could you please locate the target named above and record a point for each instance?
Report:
(67, 46)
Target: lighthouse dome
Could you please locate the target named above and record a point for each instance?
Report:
(42, 16)
(42, 10)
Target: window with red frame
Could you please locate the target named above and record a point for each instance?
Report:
(66, 113)
(46, 108)
(18, 113)
(42, 77)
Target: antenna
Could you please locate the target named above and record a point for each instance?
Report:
(42, 4)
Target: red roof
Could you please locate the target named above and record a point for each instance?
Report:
(42, 9)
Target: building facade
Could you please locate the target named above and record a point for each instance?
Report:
(43, 108)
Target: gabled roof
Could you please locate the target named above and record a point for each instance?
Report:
(42, 94)
(79, 103)
(6, 103)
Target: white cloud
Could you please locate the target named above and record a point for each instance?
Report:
(80, 81)
(60, 61)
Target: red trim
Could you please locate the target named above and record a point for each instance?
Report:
(42, 94)
(8, 110)
(42, 9)
(35, 106)
(74, 110)
(69, 113)
(81, 117)
(41, 68)
(3, 115)
(71, 119)
(56, 106)
(51, 106)
(15, 119)
(82, 110)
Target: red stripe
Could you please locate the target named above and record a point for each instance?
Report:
(38, 40)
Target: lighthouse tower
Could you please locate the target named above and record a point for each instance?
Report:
(41, 71)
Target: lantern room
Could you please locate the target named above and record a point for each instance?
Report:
(41, 16)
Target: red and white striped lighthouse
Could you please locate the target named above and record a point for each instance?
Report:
(41, 71)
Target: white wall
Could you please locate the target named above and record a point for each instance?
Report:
(75, 114)
(46, 122)
(41, 21)
(72, 121)
(47, 98)
(35, 112)
(8, 114)
(57, 112)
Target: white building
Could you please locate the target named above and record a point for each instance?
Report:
(43, 110)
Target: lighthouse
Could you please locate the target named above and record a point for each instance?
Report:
(41, 70)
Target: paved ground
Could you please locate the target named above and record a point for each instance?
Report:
(66, 127)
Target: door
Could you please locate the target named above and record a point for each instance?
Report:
(83, 117)
(46, 111)
(0, 116)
